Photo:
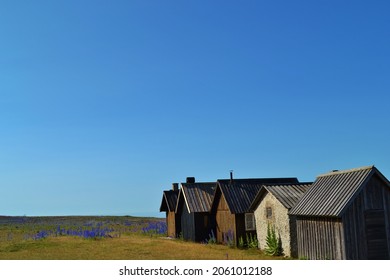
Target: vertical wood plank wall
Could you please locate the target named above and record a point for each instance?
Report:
(187, 224)
(171, 224)
(293, 236)
(225, 221)
(386, 206)
(346, 237)
(375, 196)
(320, 238)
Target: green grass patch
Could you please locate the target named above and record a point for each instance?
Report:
(129, 243)
(27, 246)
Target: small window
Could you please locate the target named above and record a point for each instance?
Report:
(268, 213)
(250, 223)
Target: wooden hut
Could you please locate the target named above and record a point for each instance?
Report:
(231, 204)
(345, 215)
(168, 205)
(193, 210)
(271, 206)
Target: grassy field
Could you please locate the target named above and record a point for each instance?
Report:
(103, 238)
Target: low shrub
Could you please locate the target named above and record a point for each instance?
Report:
(273, 243)
(252, 241)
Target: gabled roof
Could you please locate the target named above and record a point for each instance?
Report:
(333, 192)
(197, 196)
(287, 194)
(240, 193)
(169, 200)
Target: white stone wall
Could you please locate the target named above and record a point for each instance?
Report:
(279, 218)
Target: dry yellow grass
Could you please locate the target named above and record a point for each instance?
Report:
(127, 247)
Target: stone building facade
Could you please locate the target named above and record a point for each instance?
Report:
(271, 211)
(271, 206)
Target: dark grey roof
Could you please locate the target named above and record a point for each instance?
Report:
(240, 193)
(197, 196)
(169, 200)
(331, 193)
(287, 194)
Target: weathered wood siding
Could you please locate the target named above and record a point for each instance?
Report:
(320, 238)
(225, 222)
(171, 223)
(293, 236)
(366, 223)
(187, 221)
(194, 226)
(386, 206)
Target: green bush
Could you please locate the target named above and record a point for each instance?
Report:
(241, 243)
(252, 241)
(273, 243)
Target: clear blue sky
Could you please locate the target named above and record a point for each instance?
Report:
(103, 104)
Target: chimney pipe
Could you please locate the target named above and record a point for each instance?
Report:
(231, 176)
(190, 180)
(175, 186)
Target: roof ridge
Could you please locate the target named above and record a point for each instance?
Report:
(346, 171)
(170, 191)
(198, 183)
(254, 179)
(288, 184)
